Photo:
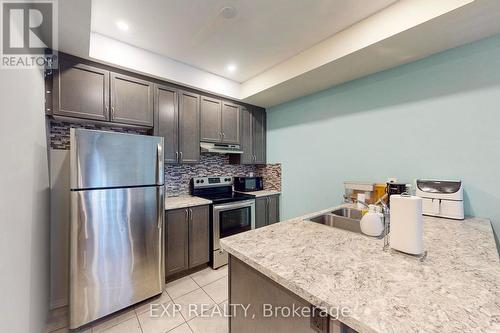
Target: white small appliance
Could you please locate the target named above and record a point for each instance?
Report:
(442, 198)
(407, 231)
(372, 223)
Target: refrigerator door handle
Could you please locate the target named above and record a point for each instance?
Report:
(160, 204)
(159, 161)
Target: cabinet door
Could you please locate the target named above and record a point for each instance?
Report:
(247, 286)
(199, 236)
(81, 91)
(211, 110)
(246, 137)
(189, 127)
(260, 212)
(177, 239)
(259, 139)
(131, 100)
(167, 120)
(273, 209)
(230, 123)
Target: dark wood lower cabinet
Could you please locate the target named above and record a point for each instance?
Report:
(273, 209)
(260, 212)
(199, 236)
(187, 236)
(264, 297)
(267, 210)
(177, 240)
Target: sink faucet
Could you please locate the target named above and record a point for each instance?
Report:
(385, 209)
(354, 200)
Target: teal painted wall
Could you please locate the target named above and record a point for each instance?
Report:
(435, 118)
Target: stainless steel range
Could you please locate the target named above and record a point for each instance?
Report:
(231, 212)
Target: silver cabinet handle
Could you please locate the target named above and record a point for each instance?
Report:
(190, 215)
(112, 112)
(177, 156)
(180, 154)
(223, 135)
(220, 136)
(187, 214)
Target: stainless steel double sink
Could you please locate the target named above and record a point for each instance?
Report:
(343, 218)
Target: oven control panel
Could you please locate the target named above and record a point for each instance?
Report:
(199, 182)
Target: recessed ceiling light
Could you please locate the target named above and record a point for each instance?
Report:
(231, 68)
(122, 25)
(228, 12)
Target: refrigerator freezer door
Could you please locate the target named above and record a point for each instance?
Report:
(102, 159)
(116, 258)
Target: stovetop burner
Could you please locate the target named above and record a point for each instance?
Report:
(217, 189)
(219, 198)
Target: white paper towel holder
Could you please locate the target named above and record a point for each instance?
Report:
(387, 242)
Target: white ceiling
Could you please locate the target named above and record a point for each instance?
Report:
(263, 34)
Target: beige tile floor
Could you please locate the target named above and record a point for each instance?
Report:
(206, 291)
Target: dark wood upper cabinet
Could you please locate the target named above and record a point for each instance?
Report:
(230, 123)
(177, 115)
(177, 241)
(95, 92)
(246, 130)
(81, 91)
(85, 91)
(211, 119)
(131, 100)
(167, 121)
(189, 127)
(220, 121)
(253, 137)
(199, 236)
(259, 136)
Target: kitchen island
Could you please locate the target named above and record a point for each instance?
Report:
(455, 289)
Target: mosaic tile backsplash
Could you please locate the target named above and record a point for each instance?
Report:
(59, 132)
(177, 176)
(271, 174)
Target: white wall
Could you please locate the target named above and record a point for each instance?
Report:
(24, 199)
(143, 61)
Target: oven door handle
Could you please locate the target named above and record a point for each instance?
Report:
(234, 205)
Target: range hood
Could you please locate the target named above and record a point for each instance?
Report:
(220, 148)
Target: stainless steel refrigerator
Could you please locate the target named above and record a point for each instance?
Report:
(117, 214)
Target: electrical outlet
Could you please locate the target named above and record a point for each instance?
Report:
(319, 320)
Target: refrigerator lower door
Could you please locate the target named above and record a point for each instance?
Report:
(115, 256)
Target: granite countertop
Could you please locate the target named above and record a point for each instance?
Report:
(261, 193)
(455, 289)
(184, 201)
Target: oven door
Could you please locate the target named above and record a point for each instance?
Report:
(232, 218)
